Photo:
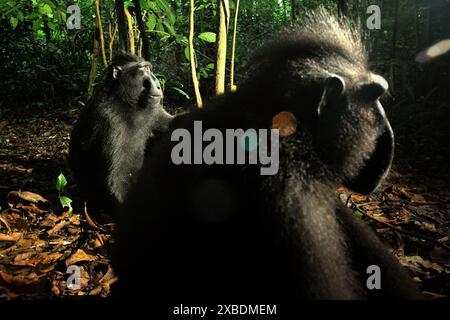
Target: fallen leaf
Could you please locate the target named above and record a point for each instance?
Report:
(10, 237)
(19, 279)
(358, 197)
(31, 208)
(393, 197)
(405, 193)
(24, 259)
(50, 258)
(5, 223)
(78, 256)
(426, 226)
(16, 196)
(417, 198)
(58, 227)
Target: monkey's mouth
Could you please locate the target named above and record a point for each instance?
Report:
(151, 91)
(376, 167)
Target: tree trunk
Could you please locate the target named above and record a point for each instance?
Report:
(121, 22)
(285, 10)
(195, 83)
(130, 30)
(233, 46)
(143, 34)
(342, 8)
(112, 36)
(100, 30)
(221, 44)
(47, 31)
(394, 45)
(293, 10)
(95, 53)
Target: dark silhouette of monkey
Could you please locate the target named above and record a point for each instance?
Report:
(108, 142)
(216, 231)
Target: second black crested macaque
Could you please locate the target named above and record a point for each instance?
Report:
(226, 232)
(108, 142)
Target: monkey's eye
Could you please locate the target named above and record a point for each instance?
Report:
(147, 69)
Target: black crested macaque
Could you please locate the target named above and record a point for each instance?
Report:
(222, 232)
(108, 141)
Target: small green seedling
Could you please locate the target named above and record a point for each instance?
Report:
(66, 202)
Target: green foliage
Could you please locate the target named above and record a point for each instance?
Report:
(66, 202)
(358, 213)
(50, 64)
(61, 183)
(207, 36)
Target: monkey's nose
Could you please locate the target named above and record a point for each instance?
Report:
(151, 83)
(155, 80)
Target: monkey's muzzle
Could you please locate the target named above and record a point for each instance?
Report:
(377, 166)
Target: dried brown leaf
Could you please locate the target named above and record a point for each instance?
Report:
(21, 279)
(78, 256)
(17, 196)
(11, 237)
(58, 227)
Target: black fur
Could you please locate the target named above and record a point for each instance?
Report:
(206, 233)
(108, 141)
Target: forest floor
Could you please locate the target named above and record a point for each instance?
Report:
(39, 240)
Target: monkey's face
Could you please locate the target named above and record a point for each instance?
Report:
(353, 134)
(137, 81)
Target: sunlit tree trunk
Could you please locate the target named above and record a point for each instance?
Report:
(195, 83)
(130, 30)
(112, 36)
(233, 47)
(223, 14)
(100, 30)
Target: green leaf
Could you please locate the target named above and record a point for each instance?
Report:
(187, 54)
(65, 202)
(181, 92)
(20, 16)
(49, 2)
(152, 6)
(181, 39)
(13, 21)
(169, 28)
(45, 9)
(165, 6)
(203, 73)
(61, 182)
(159, 26)
(357, 213)
(51, 26)
(210, 66)
(151, 22)
(207, 36)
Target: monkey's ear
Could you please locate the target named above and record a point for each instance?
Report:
(334, 88)
(375, 89)
(117, 71)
